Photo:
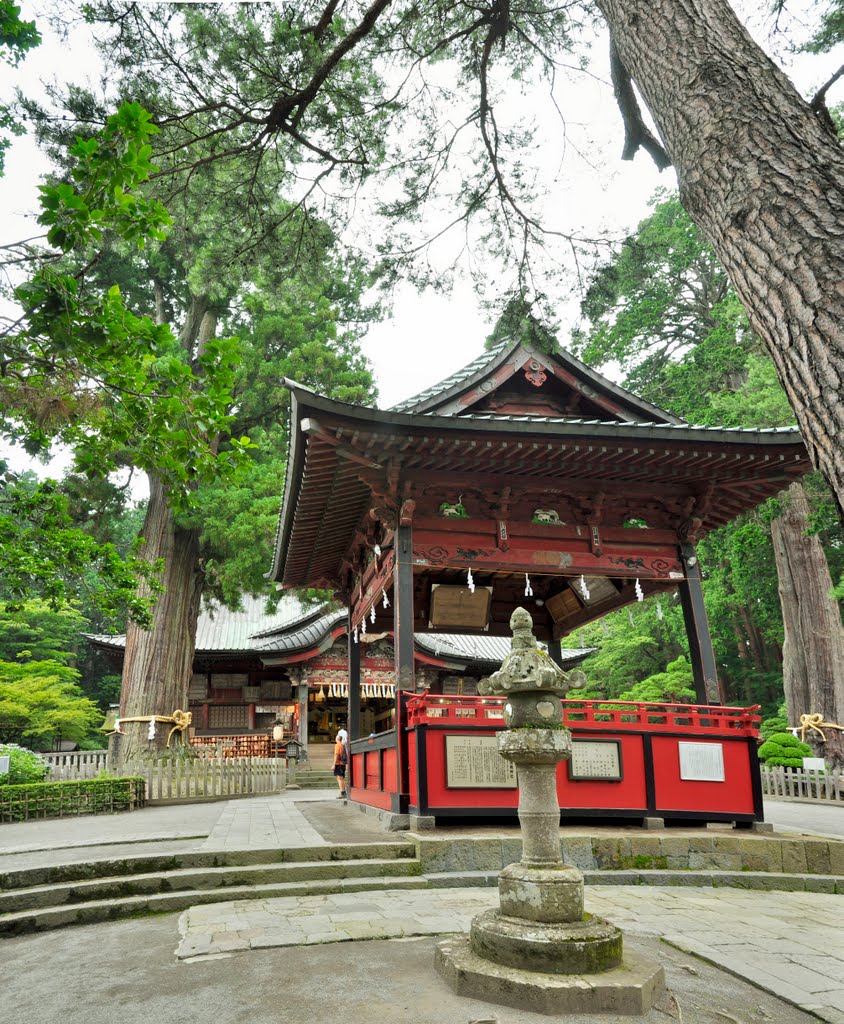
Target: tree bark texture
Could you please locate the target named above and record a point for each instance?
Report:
(764, 180)
(813, 651)
(158, 663)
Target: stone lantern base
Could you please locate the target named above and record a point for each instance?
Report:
(539, 951)
(629, 989)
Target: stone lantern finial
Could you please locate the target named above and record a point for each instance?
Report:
(529, 678)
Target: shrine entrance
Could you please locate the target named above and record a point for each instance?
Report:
(525, 479)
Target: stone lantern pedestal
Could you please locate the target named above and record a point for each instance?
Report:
(540, 951)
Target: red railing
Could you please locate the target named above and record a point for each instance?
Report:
(615, 715)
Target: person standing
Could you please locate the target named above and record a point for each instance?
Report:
(341, 759)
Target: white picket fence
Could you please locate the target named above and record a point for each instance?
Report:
(83, 764)
(199, 778)
(801, 783)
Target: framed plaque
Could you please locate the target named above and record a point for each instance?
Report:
(473, 762)
(701, 762)
(595, 761)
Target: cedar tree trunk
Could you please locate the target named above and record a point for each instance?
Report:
(813, 651)
(158, 664)
(764, 180)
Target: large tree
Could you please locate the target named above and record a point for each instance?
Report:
(663, 309)
(759, 171)
(233, 261)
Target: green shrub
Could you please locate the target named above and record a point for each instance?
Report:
(783, 748)
(56, 799)
(778, 724)
(24, 765)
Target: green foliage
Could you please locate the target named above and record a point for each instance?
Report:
(25, 766)
(37, 632)
(87, 371)
(776, 724)
(518, 320)
(630, 652)
(675, 685)
(43, 553)
(41, 702)
(830, 31)
(783, 748)
(57, 799)
(17, 37)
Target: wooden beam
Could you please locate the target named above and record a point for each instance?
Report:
(353, 716)
(704, 667)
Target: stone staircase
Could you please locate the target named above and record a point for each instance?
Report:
(312, 778)
(38, 899)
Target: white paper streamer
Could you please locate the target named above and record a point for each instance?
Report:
(638, 588)
(470, 583)
(584, 589)
(528, 587)
(151, 732)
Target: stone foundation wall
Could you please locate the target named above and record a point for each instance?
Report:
(647, 852)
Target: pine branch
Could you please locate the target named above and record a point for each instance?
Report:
(636, 132)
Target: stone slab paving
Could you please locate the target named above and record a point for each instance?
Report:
(273, 821)
(789, 945)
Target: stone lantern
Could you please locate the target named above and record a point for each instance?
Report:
(539, 950)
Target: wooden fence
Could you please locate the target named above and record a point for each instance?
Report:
(798, 783)
(82, 764)
(204, 778)
(198, 778)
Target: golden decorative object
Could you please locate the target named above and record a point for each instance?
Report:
(813, 723)
(181, 722)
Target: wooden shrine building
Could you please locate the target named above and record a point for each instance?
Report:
(524, 478)
(252, 669)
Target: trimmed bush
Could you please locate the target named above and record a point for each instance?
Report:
(24, 765)
(783, 748)
(63, 799)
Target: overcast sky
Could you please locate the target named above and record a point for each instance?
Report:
(429, 335)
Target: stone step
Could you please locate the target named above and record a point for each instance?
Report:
(34, 920)
(759, 880)
(158, 863)
(207, 878)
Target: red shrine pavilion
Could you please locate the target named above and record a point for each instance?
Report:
(525, 478)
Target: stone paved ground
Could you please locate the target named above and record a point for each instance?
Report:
(125, 972)
(788, 944)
